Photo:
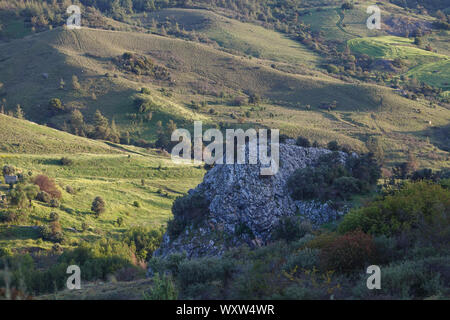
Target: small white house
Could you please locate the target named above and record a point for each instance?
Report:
(11, 179)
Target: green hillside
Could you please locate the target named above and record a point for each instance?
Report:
(121, 175)
(426, 66)
(18, 136)
(202, 73)
(243, 38)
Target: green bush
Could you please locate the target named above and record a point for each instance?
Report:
(146, 91)
(333, 145)
(345, 187)
(204, 278)
(66, 161)
(331, 68)
(43, 197)
(54, 216)
(52, 232)
(332, 179)
(303, 142)
(169, 264)
(191, 209)
(290, 229)
(144, 241)
(415, 206)
(303, 259)
(54, 203)
(55, 105)
(5, 252)
(8, 170)
(163, 288)
(98, 206)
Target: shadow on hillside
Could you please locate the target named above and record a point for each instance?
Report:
(13, 232)
(439, 136)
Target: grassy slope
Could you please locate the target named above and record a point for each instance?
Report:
(87, 53)
(426, 66)
(242, 37)
(113, 172)
(17, 136)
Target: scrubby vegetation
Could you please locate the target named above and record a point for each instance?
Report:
(188, 210)
(139, 69)
(302, 263)
(335, 178)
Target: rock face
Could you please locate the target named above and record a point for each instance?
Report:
(244, 206)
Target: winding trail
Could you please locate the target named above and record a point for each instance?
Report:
(341, 14)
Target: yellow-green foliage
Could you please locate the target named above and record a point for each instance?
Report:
(426, 66)
(18, 136)
(119, 174)
(242, 37)
(414, 206)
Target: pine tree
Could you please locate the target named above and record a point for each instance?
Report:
(77, 121)
(100, 120)
(19, 112)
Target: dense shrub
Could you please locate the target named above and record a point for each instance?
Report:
(18, 197)
(54, 216)
(345, 187)
(8, 170)
(100, 259)
(52, 232)
(322, 240)
(146, 91)
(303, 142)
(303, 259)
(333, 145)
(170, 264)
(141, 65)
(163, 288)
(66, 161)
(55, 105)
(331, 68)
(48, 185)
(43, 197)
(415, 206)
(349, 252)
(10, 216)
(290, 229)
(196, 277)
(144, 241)
(5, 252)
(333, 179)
(54, 203)
(191, 209)
(98, 206)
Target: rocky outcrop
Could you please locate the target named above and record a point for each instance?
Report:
(245, 206)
